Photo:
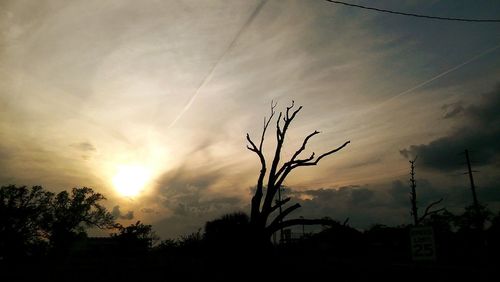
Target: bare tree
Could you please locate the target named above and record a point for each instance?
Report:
(262, 206)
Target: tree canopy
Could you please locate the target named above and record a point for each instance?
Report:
(34, 216)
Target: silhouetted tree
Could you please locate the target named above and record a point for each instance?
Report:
(72, 213)
(338, 239)
(191, 242)
(186, 245)
(262, 206)
(229, 230)
(136, 236)
(473, 218)
(494, 238)
(22, 213)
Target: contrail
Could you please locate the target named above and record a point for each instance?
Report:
(437, 76)
(214, 67)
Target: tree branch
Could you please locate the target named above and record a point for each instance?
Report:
(320, 157)
(253, 148)
(257, 198)
(297, 153)
(266, 124)
(279, 132)
(279, 204)
(301, 221)
(289, 118)
(303, 147)
(427, 212)
(280, 135)
(283, 214)
(288, 109)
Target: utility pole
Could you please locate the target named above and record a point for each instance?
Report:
(281, 230)
(303, 228)
(413, 194)
(413, 199)
(472, 186)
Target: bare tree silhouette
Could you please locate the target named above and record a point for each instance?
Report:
(263, 206)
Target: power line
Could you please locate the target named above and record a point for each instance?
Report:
(472, 185)
(416, 15)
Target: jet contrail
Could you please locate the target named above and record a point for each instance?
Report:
(214, 67)
(437, 76)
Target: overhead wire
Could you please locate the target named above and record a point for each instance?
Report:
(415, 15)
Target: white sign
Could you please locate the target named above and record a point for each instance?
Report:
(423, 247)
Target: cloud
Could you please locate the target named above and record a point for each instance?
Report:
(479, 131)
(363, 205)
(452, 110)
(427, 193)
(387, 203)
(147, 210)
(187, 193)
(121, 73)
(119, 215)
(84, 146)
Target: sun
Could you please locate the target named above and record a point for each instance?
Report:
(130, 180)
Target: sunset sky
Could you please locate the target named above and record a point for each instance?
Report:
(93, 92)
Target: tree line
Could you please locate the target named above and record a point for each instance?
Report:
(34, 221)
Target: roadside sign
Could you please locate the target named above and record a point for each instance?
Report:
(423, 247)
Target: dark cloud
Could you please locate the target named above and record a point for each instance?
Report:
(363, 205)
(175, 226)
(371, 161)
(389, 203)
(119, 215)
(147, 210)
(185, 192)
(190, 212)
(479, 131)
(84, 146)
(426, 193)
(359, 196)
(452, 110)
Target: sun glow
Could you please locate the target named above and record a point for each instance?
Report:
(130, 180)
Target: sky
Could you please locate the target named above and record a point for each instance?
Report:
(166, 91)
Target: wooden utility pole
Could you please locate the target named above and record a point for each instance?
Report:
(472, 185)
(413, 199)
(303, 228)
(413, 194)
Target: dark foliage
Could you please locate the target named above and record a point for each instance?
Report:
(230, 229)
(221, 252)
(34, 219)
(71, 213)
(136, 237)
(23, 213)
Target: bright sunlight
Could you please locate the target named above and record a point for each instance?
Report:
(131, 179)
